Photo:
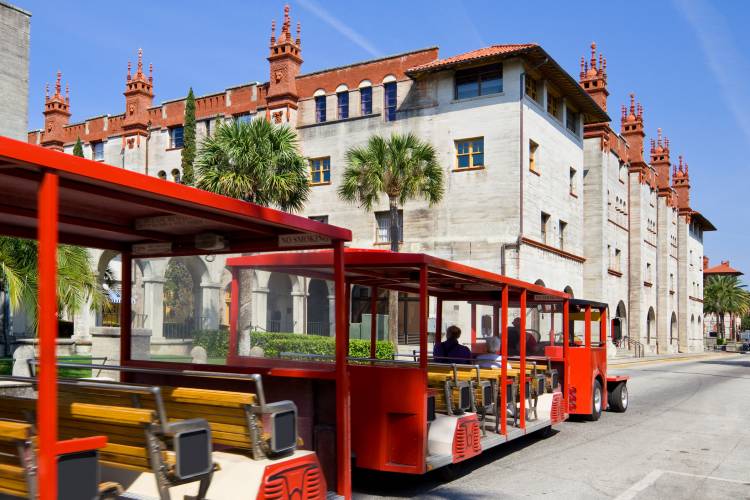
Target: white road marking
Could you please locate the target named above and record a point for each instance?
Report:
(654, 476)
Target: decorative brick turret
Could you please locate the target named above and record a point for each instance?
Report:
(593, 77)
(56, 116)
(632, 131)
(285, 61)
(681, 186)
(139, 95)
(661, 163)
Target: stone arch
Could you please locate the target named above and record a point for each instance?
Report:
(650, 324)
(318, 311)
(692, 324)
(619, 322)
(176, 175)
(389, 78)
(342, 88)
(569, 290)
(162, 175)
(486, 325)
(279, 306)
(673, 331)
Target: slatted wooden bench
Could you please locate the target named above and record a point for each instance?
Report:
(17, 467)
(140, 438)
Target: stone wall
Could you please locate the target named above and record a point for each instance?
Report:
(14, 71)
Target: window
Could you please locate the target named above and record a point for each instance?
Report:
(383, 220)
(162, 175)
(243, 118)
(98, 150)
(554, 105)
(671, 282)
(207, 124)
(390, 101)
(479, 81)
(365, 96)
(572, 120)
(621, 172)
(544, 226)
(470, 153)
(648, 272)
(342, 100)
(320, 109)
(561, 233)
(176, 175)
(532, 88)
(618, 259)
(319, 218)
(176, 137)
(573, 181)
(533, 164)
(320, 170)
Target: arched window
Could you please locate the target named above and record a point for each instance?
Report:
(365, 97)
(342, 102)
(162, 175)
(176, 176)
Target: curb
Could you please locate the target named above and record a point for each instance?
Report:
(641, 361)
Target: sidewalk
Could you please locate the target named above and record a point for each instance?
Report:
(670, 358)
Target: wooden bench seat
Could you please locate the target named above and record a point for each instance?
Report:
(16, 467)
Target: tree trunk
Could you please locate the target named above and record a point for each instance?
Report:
(395, 237)
(395, 233)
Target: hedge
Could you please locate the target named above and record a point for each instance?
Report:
(273, 344)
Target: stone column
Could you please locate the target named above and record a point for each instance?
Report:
(299, 301)
(210, 306)
(332, 311)
(153, 305)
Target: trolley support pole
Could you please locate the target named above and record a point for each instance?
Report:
(496, 319)
(522, 348)
(343, 403)
(603, 326)
(566, 351)
(439, 321)
(587, 328)
(234, 313)
(373, 321)
(126, 305)
(504, 363)
(423, 311)
(47, 208)
(473, 323)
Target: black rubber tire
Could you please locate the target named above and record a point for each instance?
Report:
(596, 413)
(449, 472)
(618, 398)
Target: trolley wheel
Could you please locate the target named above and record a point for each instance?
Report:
(618, 398)
(450, 472)
(596, 402)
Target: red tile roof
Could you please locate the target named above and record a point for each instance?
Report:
(723, 268)
(493, 50)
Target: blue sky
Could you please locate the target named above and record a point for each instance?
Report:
(686, 60)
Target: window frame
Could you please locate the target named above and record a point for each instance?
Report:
(94, 146)
(172, 143)
(576, 122)
(470, 154)
(533, 85)
(387, 215)
(365, 105)
(320, 110)
(573, 182)
(544, 227)
(561, 227)
(325, 166)
(323, 219)
(554, 105)
(467, 75)
(390, 110)
(342, 103)
(533, 160)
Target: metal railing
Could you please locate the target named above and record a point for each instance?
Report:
(631, 345)
(280, 326)
(112, 319)
(318, 328)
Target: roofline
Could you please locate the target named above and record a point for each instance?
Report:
(705, 223)
(18, 9)
(368, 61)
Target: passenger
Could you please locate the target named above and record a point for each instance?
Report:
(492, 359)
(514, 337)
(450, 351)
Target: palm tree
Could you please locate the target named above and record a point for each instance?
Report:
(402, 167)
(725, 295)
(254, 161)
(76, 280)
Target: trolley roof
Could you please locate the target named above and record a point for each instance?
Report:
(107, 207)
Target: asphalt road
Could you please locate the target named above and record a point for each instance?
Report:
(685, 435)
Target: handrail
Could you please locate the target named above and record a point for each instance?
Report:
(632, 345)
(254, 377)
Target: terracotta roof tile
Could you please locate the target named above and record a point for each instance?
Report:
(493, 50)
(723, 268)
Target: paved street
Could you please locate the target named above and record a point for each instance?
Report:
(685, 435)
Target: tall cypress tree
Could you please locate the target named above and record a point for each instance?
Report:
(188, 140)
(78, 148)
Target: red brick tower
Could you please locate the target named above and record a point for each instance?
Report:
(285, 61)
(632, 131)
(593, 77)
(139, 96)
(681, 186)
(661, 163)
(56, 116)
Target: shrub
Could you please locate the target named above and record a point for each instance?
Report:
(216, 344)
(6, 366)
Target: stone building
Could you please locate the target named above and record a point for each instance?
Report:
(14, 70)
(539, 185)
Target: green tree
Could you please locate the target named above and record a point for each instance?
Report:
(188, 140)
(76, 280)
(78, 148)
(254, 161)
(724, 295)
(402, 168)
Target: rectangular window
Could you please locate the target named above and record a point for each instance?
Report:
(533, 160)
(470, 153)
(573, 181)
(561, 233)
(243, 118)
(320, 109)
(383, 231)
(342, 100)
(207, 124)
(572, 120)
(365, 97)
(320, 170)
(176, 137)
(553, 105)
(390, 101)
(532, 88)
(319, 218)
(479, 81)
(98, 150)
(618, 259)
(544, 226)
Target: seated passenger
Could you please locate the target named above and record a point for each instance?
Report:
(491, 359)
(450, 351)
(514, 337)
